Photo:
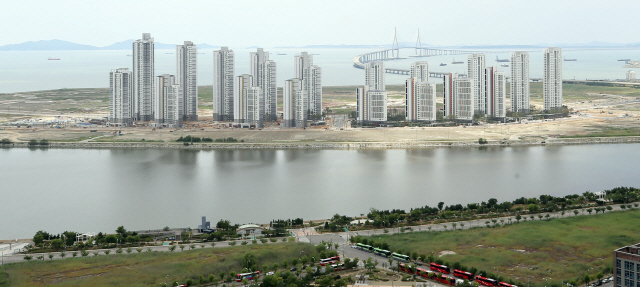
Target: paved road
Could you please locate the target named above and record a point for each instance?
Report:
(310, 236)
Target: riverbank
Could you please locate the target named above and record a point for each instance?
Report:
(328, 145)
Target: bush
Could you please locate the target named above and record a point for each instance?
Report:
(5, 141)
(33, 143)
(482, 141)
(228, 140)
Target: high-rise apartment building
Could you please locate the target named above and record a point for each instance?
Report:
(420, 98)
(186, 77)
(495, 89)
(248, 102)
(520, 82)
(311, 76)
(168, 102)
(295, 105)
(626, 262)
(372, 98)
(143, 77)
(459, 102)
(223, 74)
(552, 79)
(121, 101)
(631, 76)
(263, 72)
(476, 63)
(420, 70)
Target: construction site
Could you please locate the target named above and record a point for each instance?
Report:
(79, 115)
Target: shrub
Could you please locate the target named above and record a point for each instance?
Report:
(33, 143)
(5, 141)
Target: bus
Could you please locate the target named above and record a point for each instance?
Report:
(400, 257)
(424, 272)
(486, 281)
(465, 275)
(439, 268)
(504, 284)
(364, 247)
(248, 276)
(405, 268)
(444, 279)
(382, 252)
(330, 260)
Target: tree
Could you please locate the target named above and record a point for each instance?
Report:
(121, 231)
(62, 254)
(28, 257)
(181, 247)
(38, 239)
(107, 252)
(586, 279)
(212, 277)
(533, 208)
(57, 244)
(84, 253)
(547, 216)
(249, 260)
(440, 205)
(285, 263)
(275, 266)
(119, 250)
(609, 208)
(589, 210)
(172, 248)
(129, 250)
(575, 212)
(74, 254)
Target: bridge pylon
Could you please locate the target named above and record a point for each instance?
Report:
(418, 49)
(395, 48)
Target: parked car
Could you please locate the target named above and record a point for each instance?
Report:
(270, 273)
(294, 269)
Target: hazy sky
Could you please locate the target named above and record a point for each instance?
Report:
(272, 23)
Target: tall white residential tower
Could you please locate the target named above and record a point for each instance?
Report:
(263, 72)
(458, 97)
(168, 101)
(520, 82)
(475, 70)
(311, 76)
(121, 100)
(552, 78)
(372, 98)
(143, 77)
(495, 89)
(248, 102)
(420, 70)
(186, 77)
(223, 72)
(294, 105)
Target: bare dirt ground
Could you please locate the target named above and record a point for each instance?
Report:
(596, 109)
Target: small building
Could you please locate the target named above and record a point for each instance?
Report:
(84, 237)
(626, 262)
(631, 76)
(205, 227)
(601, 196)
(250, 230)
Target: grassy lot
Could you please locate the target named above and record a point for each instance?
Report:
(609, 132)
(564, 248)
(146, 268)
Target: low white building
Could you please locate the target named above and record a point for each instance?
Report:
(250, 230)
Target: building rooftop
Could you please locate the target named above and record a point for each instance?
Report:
(633, 249)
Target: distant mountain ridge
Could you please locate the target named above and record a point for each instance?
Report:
(60, 45)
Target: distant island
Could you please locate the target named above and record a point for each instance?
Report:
(61, 45)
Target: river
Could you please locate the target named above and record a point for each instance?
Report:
(92, 190)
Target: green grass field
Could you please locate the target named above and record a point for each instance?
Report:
(564, 248)
(146, 268)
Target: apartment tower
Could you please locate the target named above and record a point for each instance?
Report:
(263, 72)
(143, 77)
(168, 101)
(186, 77)
(520, 82)
(294, 104)
(476, 63)
(372, 98)
(420, 95)
(121, 101)
(248, 103)
(495, 89)
(223, 72)
(552, 79)
(459, 102)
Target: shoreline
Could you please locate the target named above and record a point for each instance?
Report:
(330, 145)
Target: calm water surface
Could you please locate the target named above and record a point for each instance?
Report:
(97, 190)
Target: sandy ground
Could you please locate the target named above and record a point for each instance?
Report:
(593, 113)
